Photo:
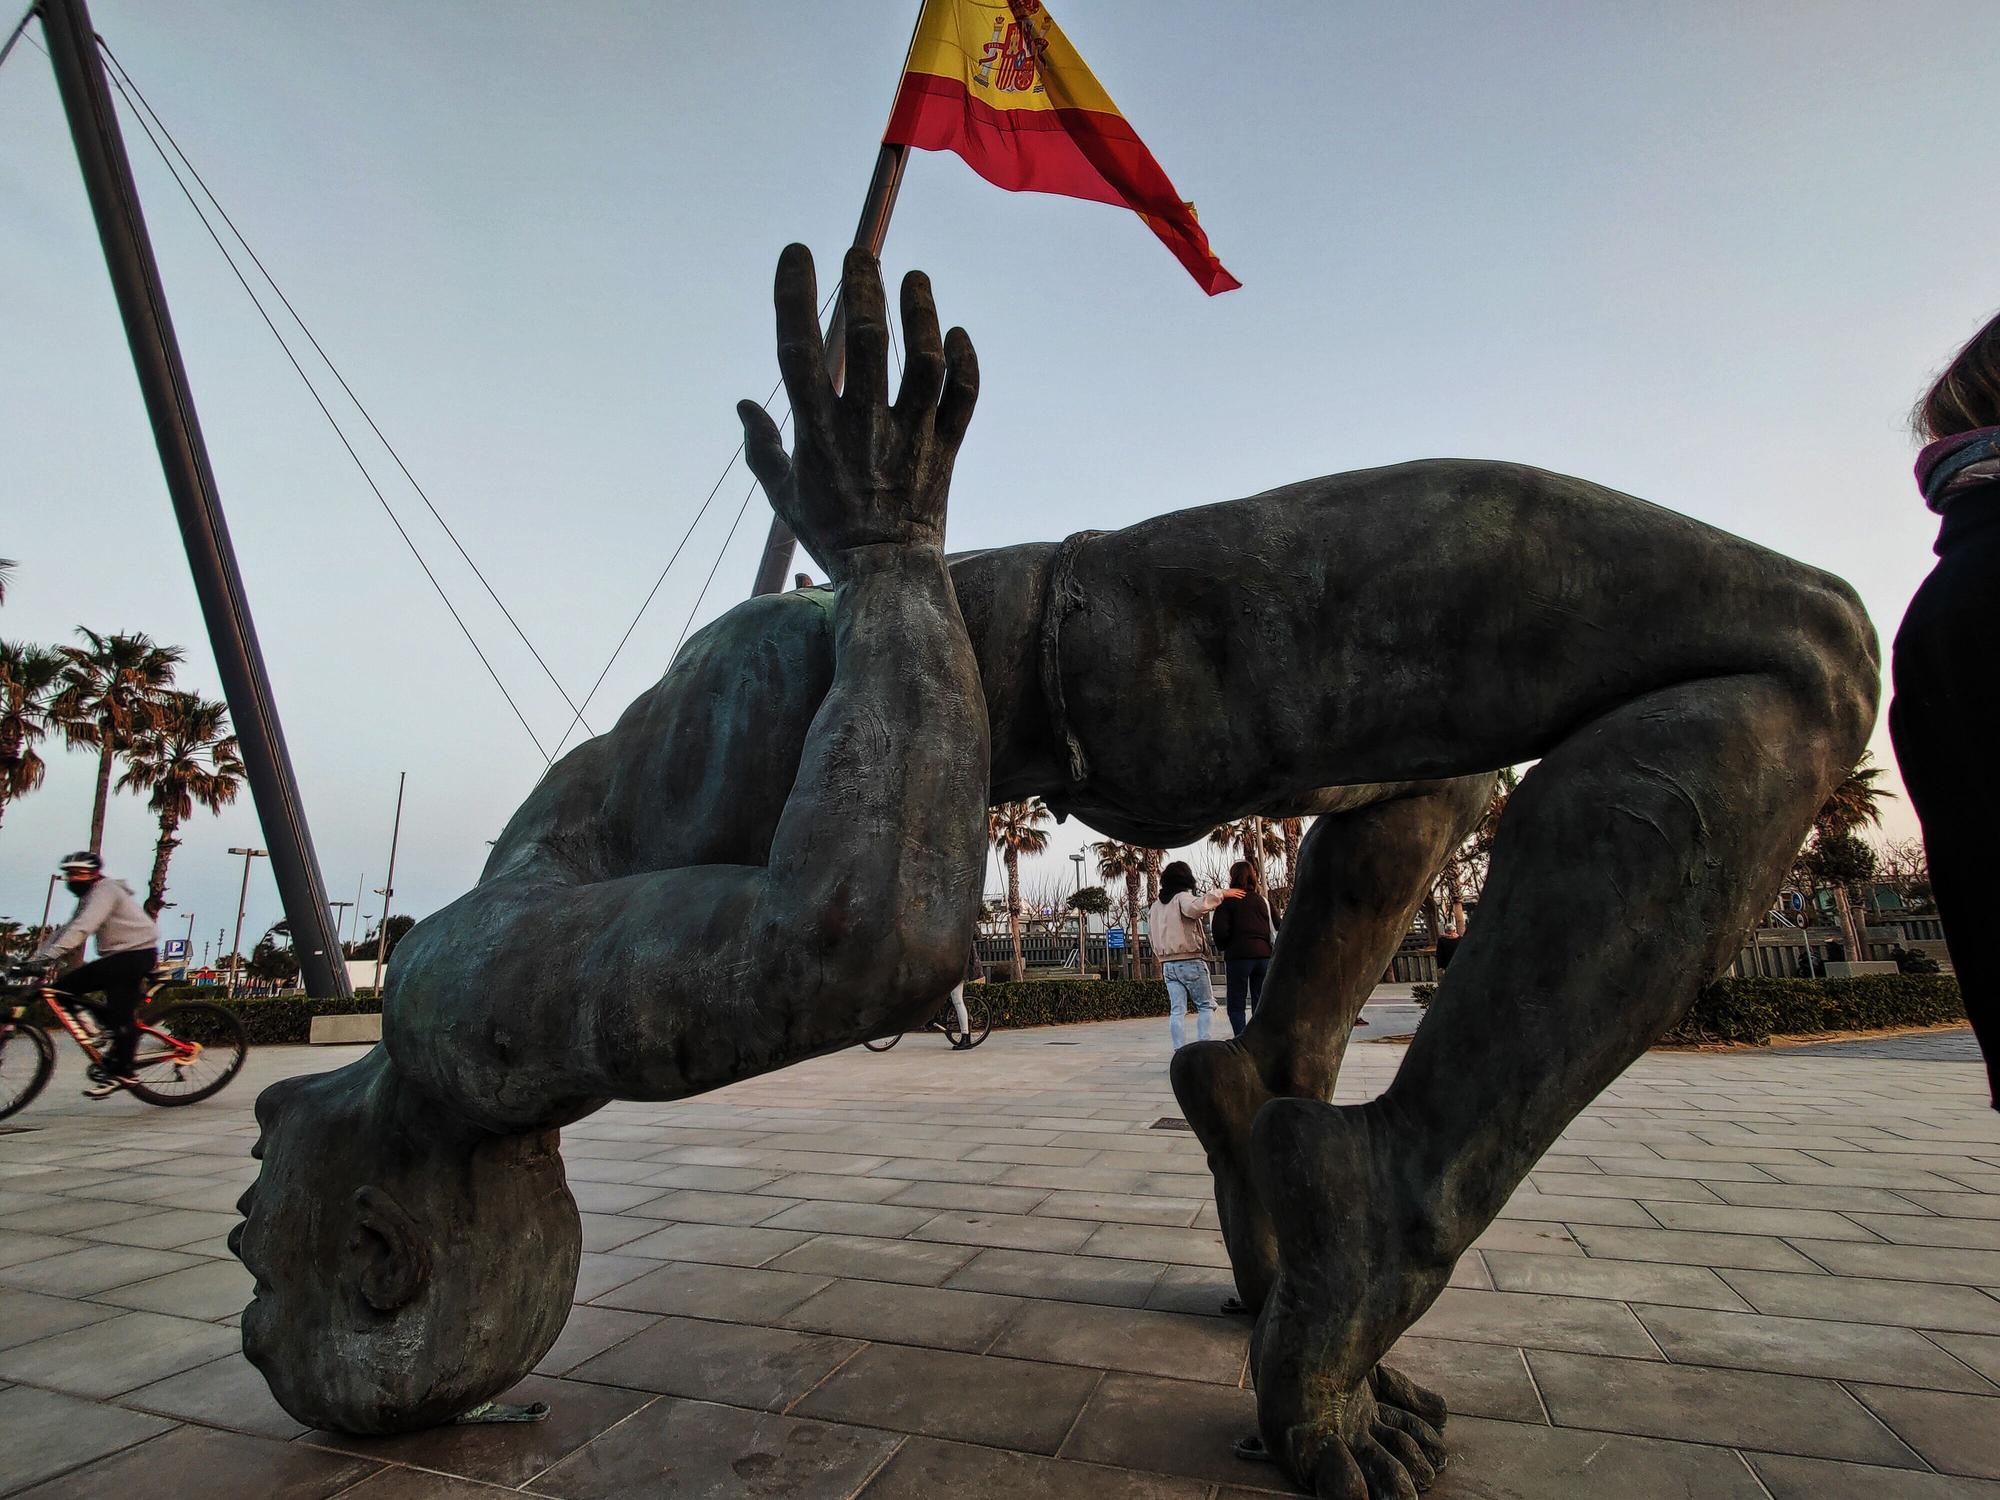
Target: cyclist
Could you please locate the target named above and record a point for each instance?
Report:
(127, 948)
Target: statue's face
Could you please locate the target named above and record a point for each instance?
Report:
(402, 1273)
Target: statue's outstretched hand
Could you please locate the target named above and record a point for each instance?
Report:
(863, 473)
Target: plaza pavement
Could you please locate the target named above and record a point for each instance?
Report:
(1763, 1275)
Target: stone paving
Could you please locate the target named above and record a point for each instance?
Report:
(1768, 1275)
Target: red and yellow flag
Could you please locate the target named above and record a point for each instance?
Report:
(997, 82)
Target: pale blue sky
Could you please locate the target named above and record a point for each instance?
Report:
(1707, 253)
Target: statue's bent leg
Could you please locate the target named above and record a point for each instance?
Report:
(1627, 867)
(1361, 875)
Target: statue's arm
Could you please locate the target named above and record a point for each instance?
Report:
(541, 993)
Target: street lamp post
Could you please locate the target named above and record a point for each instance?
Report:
(42, 931)
(1081, 963)
(242, 900)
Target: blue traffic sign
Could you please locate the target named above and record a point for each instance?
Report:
(174, 950)
(1114, 937)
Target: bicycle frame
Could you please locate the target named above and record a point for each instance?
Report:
(177, 1051)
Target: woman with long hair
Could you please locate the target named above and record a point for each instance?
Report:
(1944, 719)
(1179, 937)
(1243, 938)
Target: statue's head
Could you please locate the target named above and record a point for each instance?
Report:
(407, 1267)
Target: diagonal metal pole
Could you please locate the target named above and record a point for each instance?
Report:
(142, 303)
(869, 234)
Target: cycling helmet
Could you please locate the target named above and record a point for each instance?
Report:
(81, 865)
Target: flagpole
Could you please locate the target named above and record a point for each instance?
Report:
(868, 235)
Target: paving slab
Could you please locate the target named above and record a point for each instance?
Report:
(50, 1434)
(695, 1450)
(926, 1468)
(899, 1313)
(117, 1355)
(1732, 1408)
(1956, 1434)
(738, 1364)
(510, 1454)
(226, 1392)
(213, 1464)
(1789, 1478)
(1007, 1403)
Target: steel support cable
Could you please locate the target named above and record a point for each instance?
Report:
(647, 602)
(331, 422)
(341, 379)
(20, 30)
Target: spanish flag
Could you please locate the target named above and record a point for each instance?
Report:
(997, 82)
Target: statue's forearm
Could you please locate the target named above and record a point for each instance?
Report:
(875, 864)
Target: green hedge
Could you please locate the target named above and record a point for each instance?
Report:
(1052, 1002)
(274, 1019)
(1755, 1010)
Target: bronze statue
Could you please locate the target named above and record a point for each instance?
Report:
(777, 851)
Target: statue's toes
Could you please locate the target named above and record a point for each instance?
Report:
(1429, 1441)
(1395, 1389)
(1336, 1476)
(1385, 1473)
(1405, 1450)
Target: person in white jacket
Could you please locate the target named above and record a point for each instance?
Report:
(1176, 931)
(128, 947)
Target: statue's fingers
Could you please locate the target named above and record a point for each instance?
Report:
(923, 349)
(867, 382)
(961, 387)
(801, 350)
(763, 449)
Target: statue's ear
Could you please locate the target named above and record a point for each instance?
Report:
(386, 1251)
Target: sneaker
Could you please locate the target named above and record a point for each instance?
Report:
(107, 1088)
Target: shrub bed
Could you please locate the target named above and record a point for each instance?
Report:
(1755, 1010)
(275, 1019)
(1052, 1002)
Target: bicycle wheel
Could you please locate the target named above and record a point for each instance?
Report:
(883, 1043)
(186, 1053)
(978, 1016)
(27, 1058)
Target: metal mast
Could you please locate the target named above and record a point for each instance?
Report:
(135, 278)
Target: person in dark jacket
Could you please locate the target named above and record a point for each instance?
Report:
(1944, 719)
(1243, 938)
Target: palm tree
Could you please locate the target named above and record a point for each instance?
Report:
(1258, 840)
(1855, 802)
(1127, 862)
(29, 676)
(13, 937)
(1015, 828)
(110, 697)
(186, 758)
(1836, 856)
(6, 572)
(1294, 830)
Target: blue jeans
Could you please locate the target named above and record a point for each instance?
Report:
(1246, 983)
(1187, 982)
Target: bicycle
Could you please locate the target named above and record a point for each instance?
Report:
(978, 1015)
(187, 1050)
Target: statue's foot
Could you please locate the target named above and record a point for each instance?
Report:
(1220, 1093)
(1361, 1254)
